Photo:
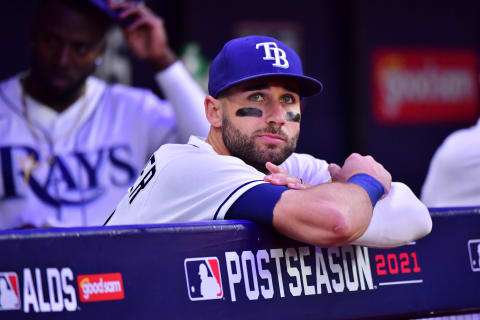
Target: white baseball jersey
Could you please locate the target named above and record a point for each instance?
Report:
(72, 168)
(453, 178)
(191, 182)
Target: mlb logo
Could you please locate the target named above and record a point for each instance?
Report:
(9, 292)
(204, 281)
(474, 254)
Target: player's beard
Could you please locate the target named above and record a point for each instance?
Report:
(243, 146)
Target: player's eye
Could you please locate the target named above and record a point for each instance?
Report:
(288, 99)
(81, 48)
(256, 97)
(51, 41)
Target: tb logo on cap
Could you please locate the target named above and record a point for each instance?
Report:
(279, 55)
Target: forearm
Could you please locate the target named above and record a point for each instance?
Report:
(327, 215)
(186, 97)
(163, 61)
(397, 219)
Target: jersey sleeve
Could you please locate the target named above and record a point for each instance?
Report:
(187, 100)
(308, 168)
(257, 204)
(397, 219)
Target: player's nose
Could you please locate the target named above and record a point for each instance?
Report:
(62, 56)
(276, 114)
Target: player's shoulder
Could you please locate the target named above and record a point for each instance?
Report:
(194, 160)
(195, 156)
(11, 80)
(302, 161)
(11, 86)
(176, 155)
(179, 150)
(304, 157)
(10, 94)
(458, 152)
(464, 136)
(307, 167)
(461, 143)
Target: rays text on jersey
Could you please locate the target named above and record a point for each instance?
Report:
(72, 179)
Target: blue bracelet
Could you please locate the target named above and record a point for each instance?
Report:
(373, 187)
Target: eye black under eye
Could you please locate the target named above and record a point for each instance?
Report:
(292, 116)
(249, 112)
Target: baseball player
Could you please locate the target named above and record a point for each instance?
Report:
(453, 178)
(255, 87)
(71, 144)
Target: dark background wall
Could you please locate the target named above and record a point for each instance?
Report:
(406, 150)
(336, 39)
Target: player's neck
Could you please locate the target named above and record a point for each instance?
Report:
(216, 141)
(34, 87)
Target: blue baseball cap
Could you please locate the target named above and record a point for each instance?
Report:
(254, 57)
(103, 6)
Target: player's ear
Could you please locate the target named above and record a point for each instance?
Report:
(214, 111)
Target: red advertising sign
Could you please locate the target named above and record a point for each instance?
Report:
(424, 86)
(100, 287)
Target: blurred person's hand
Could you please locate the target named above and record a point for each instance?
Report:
(145, 33)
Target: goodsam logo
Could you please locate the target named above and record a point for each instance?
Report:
(424, 86)
(9, 294)
(100, 287)
(204, 280)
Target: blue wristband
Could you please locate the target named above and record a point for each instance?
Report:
(373, 187)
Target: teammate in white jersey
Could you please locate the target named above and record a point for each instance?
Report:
(453, 178)
(71, 144)
(255, 87)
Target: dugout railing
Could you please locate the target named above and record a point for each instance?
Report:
(236, 270)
